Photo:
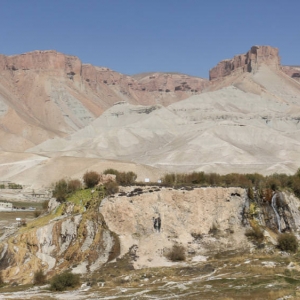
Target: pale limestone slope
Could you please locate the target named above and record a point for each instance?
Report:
(228, 130)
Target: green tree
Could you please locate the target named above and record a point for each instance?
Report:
(60, 190)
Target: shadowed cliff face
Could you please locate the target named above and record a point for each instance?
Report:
(205, 221)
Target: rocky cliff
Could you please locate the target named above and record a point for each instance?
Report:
(82, 236)
(47, 93)
(246, 62)
(64, 239)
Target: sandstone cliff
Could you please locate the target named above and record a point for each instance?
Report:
(46, 93)
(246, 62)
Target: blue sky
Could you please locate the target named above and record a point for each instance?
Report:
(134, 36)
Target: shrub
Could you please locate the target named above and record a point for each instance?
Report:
(122, 178)
(39, 277)
(23, 223)
(45, 204)
(250, 193)
(287, 242)
(1, 280)
(60, 190)
(177, 253)
(37, 213)
(91, 178)
(61, 282)
(296, 186)
(214, 230)
(111, 171)
(74, 185)
(256, 233)
(111, 187)
(197, 235)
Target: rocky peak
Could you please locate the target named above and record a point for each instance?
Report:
(41, 60)
(247, 62)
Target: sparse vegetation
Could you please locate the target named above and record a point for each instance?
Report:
(15, 186)
(39, 278)
(37, 213)
(2, 283)
(259, 182)
(111, 187)
(74, 185)
(63, 188)
(177, 253)
(64, 281)
(122, 178)
(214, 229)
(60, 190)
(287, 242)
(197, 235)
(91, 178)
(255, 233)
(23, 223)
(45, 204)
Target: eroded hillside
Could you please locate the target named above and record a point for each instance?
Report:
(46, 93)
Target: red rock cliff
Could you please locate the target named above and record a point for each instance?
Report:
(246, 62)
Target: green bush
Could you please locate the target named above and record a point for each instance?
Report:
(91, 178)
(177, 253)
(111, 187)
(64, 281)
(60, 190)
(287, 242)
(39, 277)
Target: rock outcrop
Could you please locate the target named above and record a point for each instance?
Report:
(82, 242)
(205, 221)
(248, 62)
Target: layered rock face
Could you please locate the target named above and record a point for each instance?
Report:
(246, 62)
(46, 93)
(245, 120)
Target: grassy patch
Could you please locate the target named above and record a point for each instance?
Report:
(81, 197)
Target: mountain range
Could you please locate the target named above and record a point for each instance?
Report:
(60, 117)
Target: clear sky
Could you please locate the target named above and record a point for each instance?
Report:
(134, 36)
